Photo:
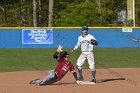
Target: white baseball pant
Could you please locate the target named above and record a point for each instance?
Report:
(90, 58)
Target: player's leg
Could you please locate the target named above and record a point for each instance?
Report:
(80, 62)
(49, 79)
(93, 72)
(91, 63)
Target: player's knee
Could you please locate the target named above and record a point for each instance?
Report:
(79, 67)
(92, 68)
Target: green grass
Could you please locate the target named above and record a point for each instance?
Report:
(41, 59)
(117, 57)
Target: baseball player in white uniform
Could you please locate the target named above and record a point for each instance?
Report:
(86, 42)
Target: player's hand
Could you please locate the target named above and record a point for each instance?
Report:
(78, 82)
(72, 51)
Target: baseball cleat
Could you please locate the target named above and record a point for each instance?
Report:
(81, 79)
(33, 81)
(39, 83)
(93, 80)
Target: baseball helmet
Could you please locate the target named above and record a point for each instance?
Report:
(84, 28)
(63, 54)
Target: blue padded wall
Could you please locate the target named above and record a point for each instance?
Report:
(67, 37)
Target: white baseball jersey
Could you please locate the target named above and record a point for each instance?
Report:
(85, 43)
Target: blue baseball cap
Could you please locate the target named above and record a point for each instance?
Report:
(84, 28)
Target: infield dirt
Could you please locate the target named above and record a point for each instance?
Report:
(109, 80)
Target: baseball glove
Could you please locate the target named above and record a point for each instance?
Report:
(93, 42)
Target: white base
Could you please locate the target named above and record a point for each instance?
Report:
(86, 82)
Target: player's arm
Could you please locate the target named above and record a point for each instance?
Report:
(56, 55)
(136, 40)
(72, 69)
(58, 67)
(75, 76)
(76, 46)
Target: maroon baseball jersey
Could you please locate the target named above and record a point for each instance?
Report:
(63, 67)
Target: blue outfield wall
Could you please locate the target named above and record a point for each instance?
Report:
(67, 37)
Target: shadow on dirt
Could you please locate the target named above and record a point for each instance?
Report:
(108, 80)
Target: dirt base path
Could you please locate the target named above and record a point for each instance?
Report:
(108, 81)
